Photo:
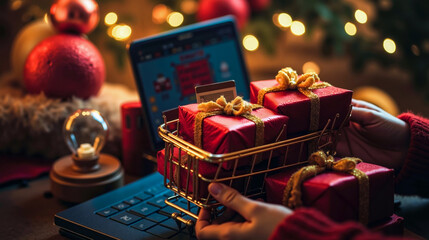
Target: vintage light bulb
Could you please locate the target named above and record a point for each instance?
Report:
(85, 133)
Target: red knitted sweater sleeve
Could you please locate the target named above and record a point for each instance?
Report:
(310, 224)
(413, 179)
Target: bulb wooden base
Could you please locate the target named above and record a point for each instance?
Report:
(73, 186)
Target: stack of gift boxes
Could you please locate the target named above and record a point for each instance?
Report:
(298, 104)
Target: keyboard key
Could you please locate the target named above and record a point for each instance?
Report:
(132, 201)
(143, 224)
(143, 209)
(143, 196)
(107, 212)
(161, 231)
(171, 223)
(156, 217)
(168, 210)
(158, 202)
(169, 194)
(155, 190)
(121, 206)
(126, 218)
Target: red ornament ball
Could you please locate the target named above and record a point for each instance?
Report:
(64, 65)
(77, 16)
(259, 5)
(209, 9)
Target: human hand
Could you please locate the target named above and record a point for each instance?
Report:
(375, 136)
(243, 219)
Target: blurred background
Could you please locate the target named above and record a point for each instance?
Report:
(377, 48)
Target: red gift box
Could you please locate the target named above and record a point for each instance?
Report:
(296, 105)
(394, 225)
(207, 171)
(336, 194)
(225, 134)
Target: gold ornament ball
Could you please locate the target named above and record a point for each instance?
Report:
(26, 39)
(76, 16)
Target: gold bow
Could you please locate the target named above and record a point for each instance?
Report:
(287, 78)
(320, 162)
(237, 107)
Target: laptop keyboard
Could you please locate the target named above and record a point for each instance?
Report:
(147, 211)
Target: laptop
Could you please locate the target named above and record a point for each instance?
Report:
(167, 68)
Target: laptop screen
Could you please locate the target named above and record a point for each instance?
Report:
(167, 67)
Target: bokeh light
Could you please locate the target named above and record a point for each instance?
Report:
(189, 6)
(175, 19)
(110, 18)
(389, 45)
(310, 67)
(121, 32)
(297, 28)
(361, 16)
(284, 20)
(160, 13)
(46, 18)
(350, 29)
(250, 43)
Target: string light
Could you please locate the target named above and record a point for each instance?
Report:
(297, 28)
(250, 43)
(121, 32)
(361, 16)
(284, 20)
(310, 67)
(350, 29)
(389, 45)
(160, 13)
(110, 18)
(175, 19)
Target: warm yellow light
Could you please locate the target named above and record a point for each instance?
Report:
(189, 6)
(297, 28)
(46, 18)
(350, 29)
(310, 67)
(110, 18)
(160, 13)
(285, 20)
(175, 19)
(361, 16)
(389, 45)
(121, 32)
(250, 43)
(15, 5)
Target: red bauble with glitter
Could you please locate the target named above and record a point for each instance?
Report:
(77, 16)
(63, 66)
(259, 5)
(209, 9)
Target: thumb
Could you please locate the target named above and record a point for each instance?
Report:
(363, 116)
(232, 199)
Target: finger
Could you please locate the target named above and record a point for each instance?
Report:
(363, 116)
(364, 104)
(230, 198)
(227, 215)
(203, 220)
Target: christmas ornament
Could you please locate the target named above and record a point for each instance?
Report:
(25, 41)
(78, 16)
(64, 65)
(259, 5)
(209, 9)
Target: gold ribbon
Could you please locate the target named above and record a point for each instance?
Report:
(288, 79)
(237, 107)
(320, 162)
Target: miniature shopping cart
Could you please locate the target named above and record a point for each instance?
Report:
(183, 175)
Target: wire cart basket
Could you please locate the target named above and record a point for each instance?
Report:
(184, 176)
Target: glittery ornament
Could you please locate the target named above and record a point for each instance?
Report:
(77, 16)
